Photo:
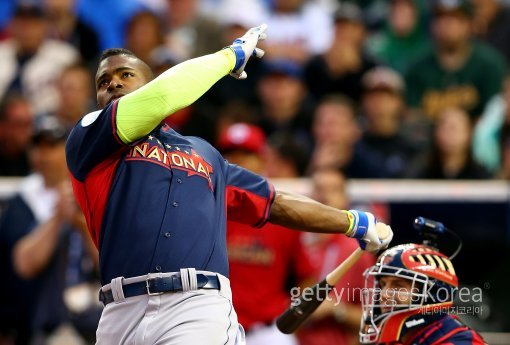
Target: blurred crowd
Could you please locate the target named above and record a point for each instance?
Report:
(347, 89)
(378, 89)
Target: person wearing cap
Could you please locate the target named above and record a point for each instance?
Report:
(260, 260)
(383, 109)
(340, 68)
(458, 72)
(285, 105)
(30, 62)
(51, 259)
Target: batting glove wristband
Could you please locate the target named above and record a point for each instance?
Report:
(246, 47)
(362, 227)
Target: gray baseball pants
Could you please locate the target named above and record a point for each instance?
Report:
(189, 317)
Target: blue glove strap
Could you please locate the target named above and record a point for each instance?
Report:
(360, 227)
(362, 244)
(240, 56)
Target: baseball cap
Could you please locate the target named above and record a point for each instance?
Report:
(28, 9)
(242, 136)
(383, 78)
(449, 6)
(48, 129)
(284, 67)
(348, 11)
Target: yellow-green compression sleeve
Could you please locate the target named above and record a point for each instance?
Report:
(142, 110)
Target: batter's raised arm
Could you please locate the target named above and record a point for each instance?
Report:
(142, 110)
(301, 213)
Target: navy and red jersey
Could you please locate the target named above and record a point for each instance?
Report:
(159, 204)
(447, 331)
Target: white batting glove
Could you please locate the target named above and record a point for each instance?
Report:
(363, 229)
(245, 47)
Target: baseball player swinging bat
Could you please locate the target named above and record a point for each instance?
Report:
(301, 309)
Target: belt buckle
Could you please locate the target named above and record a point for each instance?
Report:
(148, 287)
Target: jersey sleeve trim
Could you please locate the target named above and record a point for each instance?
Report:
(267, 208)
(115, 130)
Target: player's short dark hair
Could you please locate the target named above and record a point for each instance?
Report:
(116, 51)
(126, 52)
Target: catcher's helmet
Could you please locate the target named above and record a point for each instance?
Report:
(433, 284)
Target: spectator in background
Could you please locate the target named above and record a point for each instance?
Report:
(405, 36)
(285, 106)
(491, 23)
(15, 133)
(190, 33)
(450, 156)
(383, 110)
(285, 156)
(65, 25)
(491, 132)
(458, 72)
(297, 29)
(336, 134)
(235, 23)
(336, 321)
(232, 113)
(242, 144)
(260, 260)
(340, 68)
(49, 244)
(30, 62)
(144, 34)
(75, 88)
(108, 18)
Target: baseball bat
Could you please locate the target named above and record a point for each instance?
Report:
(303, 307)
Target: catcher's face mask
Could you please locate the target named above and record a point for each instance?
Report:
(403, 290)
(389, 291)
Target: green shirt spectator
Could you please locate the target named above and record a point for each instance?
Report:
(433, 88)
(458, 71)
(405, 36)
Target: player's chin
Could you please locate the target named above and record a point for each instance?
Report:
(111, 99)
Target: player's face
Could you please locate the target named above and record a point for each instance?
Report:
(394, 291)
(116, 77)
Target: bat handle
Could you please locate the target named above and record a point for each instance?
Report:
(299, 311)
(334, 276)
